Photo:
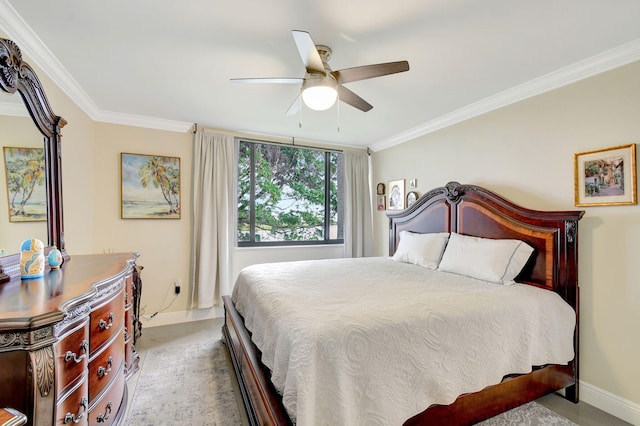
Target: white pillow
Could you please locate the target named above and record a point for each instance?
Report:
(496, 261)
(421, 249)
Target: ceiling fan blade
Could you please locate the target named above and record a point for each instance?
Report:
(295, 106)
(369, 71)
(308, 52)
(350, 98)
(285, 80)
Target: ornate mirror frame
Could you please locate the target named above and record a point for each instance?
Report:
(17, 75)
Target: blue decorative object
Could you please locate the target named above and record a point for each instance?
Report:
(31, 259)
(55, 258)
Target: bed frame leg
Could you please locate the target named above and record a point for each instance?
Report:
(571, 393)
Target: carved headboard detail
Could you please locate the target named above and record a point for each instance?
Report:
(473, 210)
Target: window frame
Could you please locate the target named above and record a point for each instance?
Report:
(327, 197)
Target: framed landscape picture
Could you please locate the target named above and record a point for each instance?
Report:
(606, 177)
(25, 179)
(150, 186)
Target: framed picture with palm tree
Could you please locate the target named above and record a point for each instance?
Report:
(26, 190)
(150, 186)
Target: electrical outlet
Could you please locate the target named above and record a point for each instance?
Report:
(176, 287)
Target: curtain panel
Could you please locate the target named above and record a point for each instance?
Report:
(212, 210)
(358, 221)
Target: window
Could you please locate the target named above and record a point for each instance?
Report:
(288, 195)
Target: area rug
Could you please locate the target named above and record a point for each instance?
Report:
(191, 385)
(184, 385)
(530, 414)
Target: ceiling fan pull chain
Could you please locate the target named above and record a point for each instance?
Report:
(300, 119)
(338, 104)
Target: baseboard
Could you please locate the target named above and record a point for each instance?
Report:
(169, 318)
(613, 404)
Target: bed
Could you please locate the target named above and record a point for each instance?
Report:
(463, 211)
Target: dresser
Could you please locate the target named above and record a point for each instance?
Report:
(67, 341)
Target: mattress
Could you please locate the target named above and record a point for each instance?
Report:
(372, 341)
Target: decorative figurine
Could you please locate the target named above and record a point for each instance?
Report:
(55, 258)
(31, 259)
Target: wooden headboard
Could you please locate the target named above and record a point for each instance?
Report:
(476, 211)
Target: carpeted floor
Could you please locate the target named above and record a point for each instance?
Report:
(199, 392)
(530, 414)
(184, 385)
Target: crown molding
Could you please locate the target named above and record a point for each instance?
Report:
(39, 55)
(13, 109)
(606, 61)
(143, 121)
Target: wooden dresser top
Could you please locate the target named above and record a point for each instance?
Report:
(35, 302)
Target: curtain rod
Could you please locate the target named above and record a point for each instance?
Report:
(277, 139)
(292, 144)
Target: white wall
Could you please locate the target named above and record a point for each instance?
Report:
(164, 244)
(525, 152)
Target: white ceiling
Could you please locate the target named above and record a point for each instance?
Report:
(167, 63)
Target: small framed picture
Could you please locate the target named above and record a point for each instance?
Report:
(606, 177)
(380, 189)
(396, 194)
(413, 183)
(381, 202)
(412, 197)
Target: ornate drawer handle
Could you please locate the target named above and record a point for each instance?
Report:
(76, 418)
(102, 371)
(84, 347)
(107, 413)
(104, 325)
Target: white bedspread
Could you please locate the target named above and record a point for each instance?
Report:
(372, 341)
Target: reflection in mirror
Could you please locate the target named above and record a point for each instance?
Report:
(17, 76)
(17, 131)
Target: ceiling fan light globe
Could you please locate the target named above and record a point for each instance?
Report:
(319, 98)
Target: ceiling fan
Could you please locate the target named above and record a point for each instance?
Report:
(321, 86)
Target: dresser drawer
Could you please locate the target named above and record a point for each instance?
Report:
(106, 320)
(74, 408)
(105, 365)
(105, 410)
(72, 354)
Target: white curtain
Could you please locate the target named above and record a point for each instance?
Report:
(358, 227)
(213, 188)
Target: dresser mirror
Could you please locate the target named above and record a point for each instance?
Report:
(18, 133)
(19, 80)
